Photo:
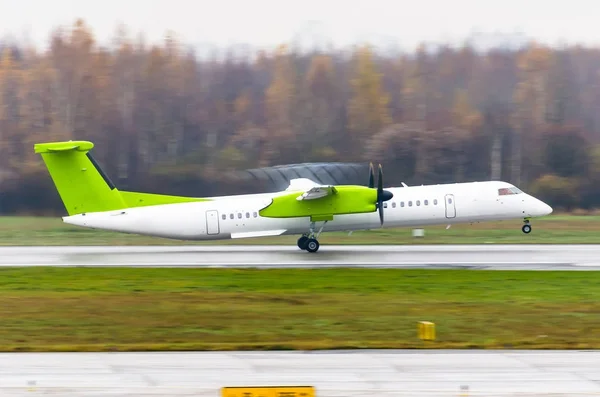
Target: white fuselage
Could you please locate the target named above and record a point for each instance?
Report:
(238, 216)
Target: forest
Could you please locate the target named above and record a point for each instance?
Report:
(165, 120)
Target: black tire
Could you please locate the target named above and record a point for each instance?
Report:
(312, 245)
(526, 229)
(302, 241)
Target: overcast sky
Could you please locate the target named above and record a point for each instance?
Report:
(343, 22)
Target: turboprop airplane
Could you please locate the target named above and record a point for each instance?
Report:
(92, 200)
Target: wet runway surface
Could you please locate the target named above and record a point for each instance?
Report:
(529, 257)
(339, 373)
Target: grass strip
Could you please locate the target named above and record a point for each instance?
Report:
(120, 309)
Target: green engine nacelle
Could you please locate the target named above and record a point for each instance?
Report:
(347, 199)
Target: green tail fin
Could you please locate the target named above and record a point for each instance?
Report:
(84, 187)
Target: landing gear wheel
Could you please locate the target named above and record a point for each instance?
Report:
(526, 228)
(312, 245)
(302, 242)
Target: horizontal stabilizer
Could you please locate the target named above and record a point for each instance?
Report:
(50, 147)
(264, 233)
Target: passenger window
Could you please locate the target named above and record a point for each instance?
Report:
(223, 216)
(402, 204)
(231, 216)
(418, 203)
(247, 215)
(434, 201)
(426, 202)
(394, 205)
(255, 214)
(239, 215)
(410, 203)
(384, 205)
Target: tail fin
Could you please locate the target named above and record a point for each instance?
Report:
(84, 187)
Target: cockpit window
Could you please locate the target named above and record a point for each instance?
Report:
(505, 191)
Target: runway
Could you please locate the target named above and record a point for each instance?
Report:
(333, 374)
(495, 257)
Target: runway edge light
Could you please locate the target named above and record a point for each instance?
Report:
(268, 391)
(426, 330)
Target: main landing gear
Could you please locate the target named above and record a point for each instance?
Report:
(526, 227)
(308, 241)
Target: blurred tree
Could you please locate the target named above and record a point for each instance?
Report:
(280, 104)
(10, 81)
(163, 118)
(394, 146)
(558, 192)
(490, 87)
(565, 152)
(531, 100)
(320, 108)
(71, 56)
(368, 108)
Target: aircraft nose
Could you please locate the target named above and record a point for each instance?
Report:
(542, 208)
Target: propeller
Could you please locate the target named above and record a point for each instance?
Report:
(382, 195)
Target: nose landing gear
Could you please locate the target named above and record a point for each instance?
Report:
(526, 227)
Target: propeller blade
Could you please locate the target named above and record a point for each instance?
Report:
(371, 176)
(382, 195)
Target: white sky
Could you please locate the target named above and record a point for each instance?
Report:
(271, 22)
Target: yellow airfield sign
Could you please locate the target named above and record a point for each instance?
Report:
(269, 391)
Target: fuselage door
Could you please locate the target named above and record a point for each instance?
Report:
(212, 222)
(450, 206)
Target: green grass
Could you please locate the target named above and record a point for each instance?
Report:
(91, 309)
(554, 229)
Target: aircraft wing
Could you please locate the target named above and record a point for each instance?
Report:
(317, 192)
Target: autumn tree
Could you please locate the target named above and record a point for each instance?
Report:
(368, 108)
(280, 98)
(167, 120)
(531, 103)
(319, 108)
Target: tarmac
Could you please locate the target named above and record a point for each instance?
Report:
(492, 256)
(332, 373)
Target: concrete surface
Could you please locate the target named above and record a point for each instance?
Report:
(532, 257)
(339, 373)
